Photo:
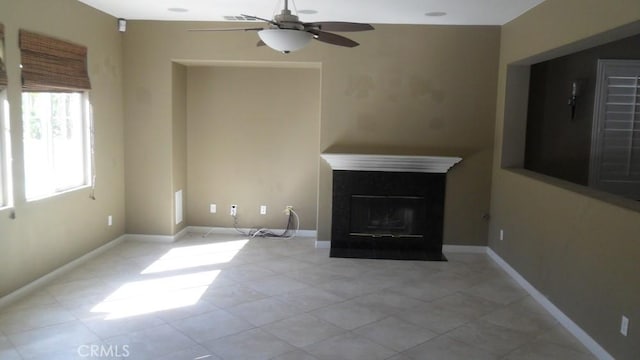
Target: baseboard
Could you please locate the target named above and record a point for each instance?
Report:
(586, 340)
(44, 280)
(214, 230)
(158, 238)
(464, 249)
(233, 231)
(150, 238)
(326, 244)
(182, 233)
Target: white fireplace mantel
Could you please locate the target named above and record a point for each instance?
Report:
(398, 163)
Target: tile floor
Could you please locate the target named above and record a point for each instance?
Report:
(226, 297)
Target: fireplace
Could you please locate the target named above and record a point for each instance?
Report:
(382, 211)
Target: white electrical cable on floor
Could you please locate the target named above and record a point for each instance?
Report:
(297, 224)
(265, 232)
(268, 233)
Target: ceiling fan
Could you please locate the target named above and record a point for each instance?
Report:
(286, 33)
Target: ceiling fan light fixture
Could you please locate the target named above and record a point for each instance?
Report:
(285, 40)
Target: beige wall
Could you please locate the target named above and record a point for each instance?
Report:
(179, 142)
(579, 251)
(250, 145)
(431, 93)
(51, 232)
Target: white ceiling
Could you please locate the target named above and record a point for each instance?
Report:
(458, 12)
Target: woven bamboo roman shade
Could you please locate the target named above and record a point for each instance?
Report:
(51, 65)
(3, 68)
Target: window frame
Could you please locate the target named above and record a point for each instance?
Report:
(6, 183)
(86, 124)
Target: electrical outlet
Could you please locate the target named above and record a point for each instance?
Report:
(213, 208)
(234, 210)
(263, 209)
(287, 210)
(624, 325)
(109, 220)
(501, 234)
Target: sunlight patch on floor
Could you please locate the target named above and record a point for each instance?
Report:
(195, 256)
(170, 292)
(149, 296)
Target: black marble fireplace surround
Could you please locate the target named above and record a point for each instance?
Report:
(410, 228)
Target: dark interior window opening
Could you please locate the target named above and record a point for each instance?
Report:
(583, 120)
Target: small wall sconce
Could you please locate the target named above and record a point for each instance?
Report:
(576, 87)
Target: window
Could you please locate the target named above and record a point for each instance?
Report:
(5, 153)
(55, 135)
(55, 116)
(5, 168)
(583, 118)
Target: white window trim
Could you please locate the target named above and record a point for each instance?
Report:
(6, 183)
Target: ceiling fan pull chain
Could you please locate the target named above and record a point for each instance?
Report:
(276, 10)
(294, 7)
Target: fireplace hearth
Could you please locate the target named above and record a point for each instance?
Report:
(388, 214)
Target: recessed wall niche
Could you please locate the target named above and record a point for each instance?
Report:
(549, 110)
(252, 138)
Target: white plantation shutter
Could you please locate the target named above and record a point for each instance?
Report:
(615, 163)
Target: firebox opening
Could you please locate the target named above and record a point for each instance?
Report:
(395, 216)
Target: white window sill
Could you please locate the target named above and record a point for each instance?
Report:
(59, 193)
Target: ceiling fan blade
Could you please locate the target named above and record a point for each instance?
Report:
(333, 39)
(228, 29)
(339, 26)
(259, 18)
